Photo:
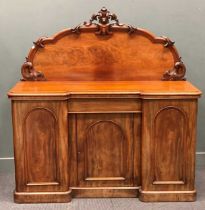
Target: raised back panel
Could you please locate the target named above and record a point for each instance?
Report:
(104, 145)
(40, 144)
(169, 135)
(103, 49)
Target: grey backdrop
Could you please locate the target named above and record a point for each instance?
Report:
(23, 21)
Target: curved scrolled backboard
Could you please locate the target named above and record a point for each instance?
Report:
(103, 49)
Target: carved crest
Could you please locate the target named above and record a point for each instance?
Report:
(177, 73)
(104, 17)
(105, 21)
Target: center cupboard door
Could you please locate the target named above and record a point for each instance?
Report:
(105, 149)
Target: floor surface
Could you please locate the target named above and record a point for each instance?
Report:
(7, 186)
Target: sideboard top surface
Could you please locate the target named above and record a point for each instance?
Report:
(96, 87)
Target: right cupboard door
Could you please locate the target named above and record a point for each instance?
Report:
(168, 150)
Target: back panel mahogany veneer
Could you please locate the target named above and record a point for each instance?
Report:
(103, 49)
(103, 110)
(121, 56)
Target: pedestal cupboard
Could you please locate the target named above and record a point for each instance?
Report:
(103, 110)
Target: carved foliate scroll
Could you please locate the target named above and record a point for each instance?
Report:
(30, 74)
(39, 43)
(27, 70)
(105, 21)
(175, 74)
(167, 41)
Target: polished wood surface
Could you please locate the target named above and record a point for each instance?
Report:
(104, 160)
(101, 50)
(73, 87)
(40, 147)
(99, 113)
(89, 57)
(168, 149)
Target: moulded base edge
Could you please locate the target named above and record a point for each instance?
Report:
(42, 197)
(160, 196)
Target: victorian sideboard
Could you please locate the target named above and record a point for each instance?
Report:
(104, 110)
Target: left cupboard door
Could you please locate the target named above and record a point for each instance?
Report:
(41, 151)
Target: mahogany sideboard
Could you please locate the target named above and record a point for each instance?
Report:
(104, 110)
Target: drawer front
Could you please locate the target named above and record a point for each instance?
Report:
(104, 105)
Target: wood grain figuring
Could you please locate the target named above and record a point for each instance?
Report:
(104, 143)
(40, 143)
(139, 88)
(102, 105)
(168, 140)
(89, 57)
(99, 144)
(170, 124)
(40, 138)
